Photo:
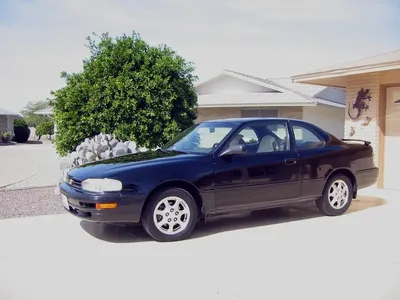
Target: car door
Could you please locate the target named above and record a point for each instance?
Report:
(313, 158)
(262, 174)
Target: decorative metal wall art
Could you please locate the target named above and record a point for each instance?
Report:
(360, 104)
(352, 131)
(366, 122)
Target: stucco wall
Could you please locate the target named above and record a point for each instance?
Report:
(328, 118)
(204, 114)
(390, 77)
(3, 124)
(371, 132)
(227, 112)
(293, 112)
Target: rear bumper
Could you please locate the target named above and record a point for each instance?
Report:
(366, 178)
(82, 204)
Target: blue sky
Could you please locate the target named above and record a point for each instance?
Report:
(268, 38)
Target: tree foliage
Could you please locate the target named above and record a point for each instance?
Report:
(29, 110)
(21, 131)
(45, 128)
(129, 88)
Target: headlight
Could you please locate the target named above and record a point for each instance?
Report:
(101, 185)
(64, 176)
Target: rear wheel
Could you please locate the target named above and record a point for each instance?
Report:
(171, 215)
(336, 197)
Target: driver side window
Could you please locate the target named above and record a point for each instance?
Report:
(276, 138)
(263, 137)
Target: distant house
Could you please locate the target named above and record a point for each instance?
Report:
(7, 120)
(234, 94)
(47, 111)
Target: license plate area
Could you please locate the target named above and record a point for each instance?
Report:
(64, 201)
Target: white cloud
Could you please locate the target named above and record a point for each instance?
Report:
(264, 38)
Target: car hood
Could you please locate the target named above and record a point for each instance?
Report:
(109, 167)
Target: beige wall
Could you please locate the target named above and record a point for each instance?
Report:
(293, 112)
(205, 114)
(328, 118)
(371, 132)
(390, 77)
(3, 124)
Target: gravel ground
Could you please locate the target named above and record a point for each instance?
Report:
(29, 202)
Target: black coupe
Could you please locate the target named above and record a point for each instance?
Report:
(218, 167)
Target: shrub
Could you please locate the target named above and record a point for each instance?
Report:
(45, 128)
(127, 88)
(21, 131)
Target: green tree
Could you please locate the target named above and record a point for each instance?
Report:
(29, 110)
(127, 87)
(45, 128)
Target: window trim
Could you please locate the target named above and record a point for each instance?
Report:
(310, 128)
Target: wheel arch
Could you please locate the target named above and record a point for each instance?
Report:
(347, 172)
(185, 185)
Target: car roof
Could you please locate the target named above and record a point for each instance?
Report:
(250, 119)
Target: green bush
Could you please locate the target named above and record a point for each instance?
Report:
(21, 131)
(128, 88)
(45, 128)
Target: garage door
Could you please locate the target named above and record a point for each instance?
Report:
(392, 140)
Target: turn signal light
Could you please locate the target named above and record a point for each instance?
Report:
(105, 205)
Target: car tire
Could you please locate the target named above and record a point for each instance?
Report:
(171, 215)
(336, 197)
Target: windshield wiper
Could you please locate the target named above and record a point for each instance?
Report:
(172, 150)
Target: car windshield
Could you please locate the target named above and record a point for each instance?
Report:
(200, 138)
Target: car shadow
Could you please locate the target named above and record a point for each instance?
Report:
(215, 225)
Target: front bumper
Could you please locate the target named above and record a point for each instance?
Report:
(82, 204)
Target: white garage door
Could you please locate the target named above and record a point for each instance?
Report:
(392, 140)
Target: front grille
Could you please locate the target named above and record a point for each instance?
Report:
(74, 183)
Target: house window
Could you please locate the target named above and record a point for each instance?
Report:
(250, 113)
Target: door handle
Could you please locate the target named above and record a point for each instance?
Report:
(290, 161)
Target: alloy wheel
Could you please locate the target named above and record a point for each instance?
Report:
(171, 215)
(338, 194)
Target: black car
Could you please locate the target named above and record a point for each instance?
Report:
(219, 167)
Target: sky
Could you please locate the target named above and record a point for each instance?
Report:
(268, 38)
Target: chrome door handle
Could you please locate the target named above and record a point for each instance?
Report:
(290, 161)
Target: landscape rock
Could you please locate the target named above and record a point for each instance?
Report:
(97, 148)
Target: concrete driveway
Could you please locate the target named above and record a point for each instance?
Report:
(289, 254)
(33, 164)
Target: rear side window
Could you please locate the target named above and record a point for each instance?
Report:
(305, 138)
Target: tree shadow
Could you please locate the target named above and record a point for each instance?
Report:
(18, 144)
(216, 225)
(33, 142)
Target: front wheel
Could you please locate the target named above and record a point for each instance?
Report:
(336, 197)
(171, 215)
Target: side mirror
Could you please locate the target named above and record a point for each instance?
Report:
(234, 150)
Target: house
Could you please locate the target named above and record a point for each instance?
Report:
(372, 106)
(47, 111)
(234, 94)
(7, 120)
